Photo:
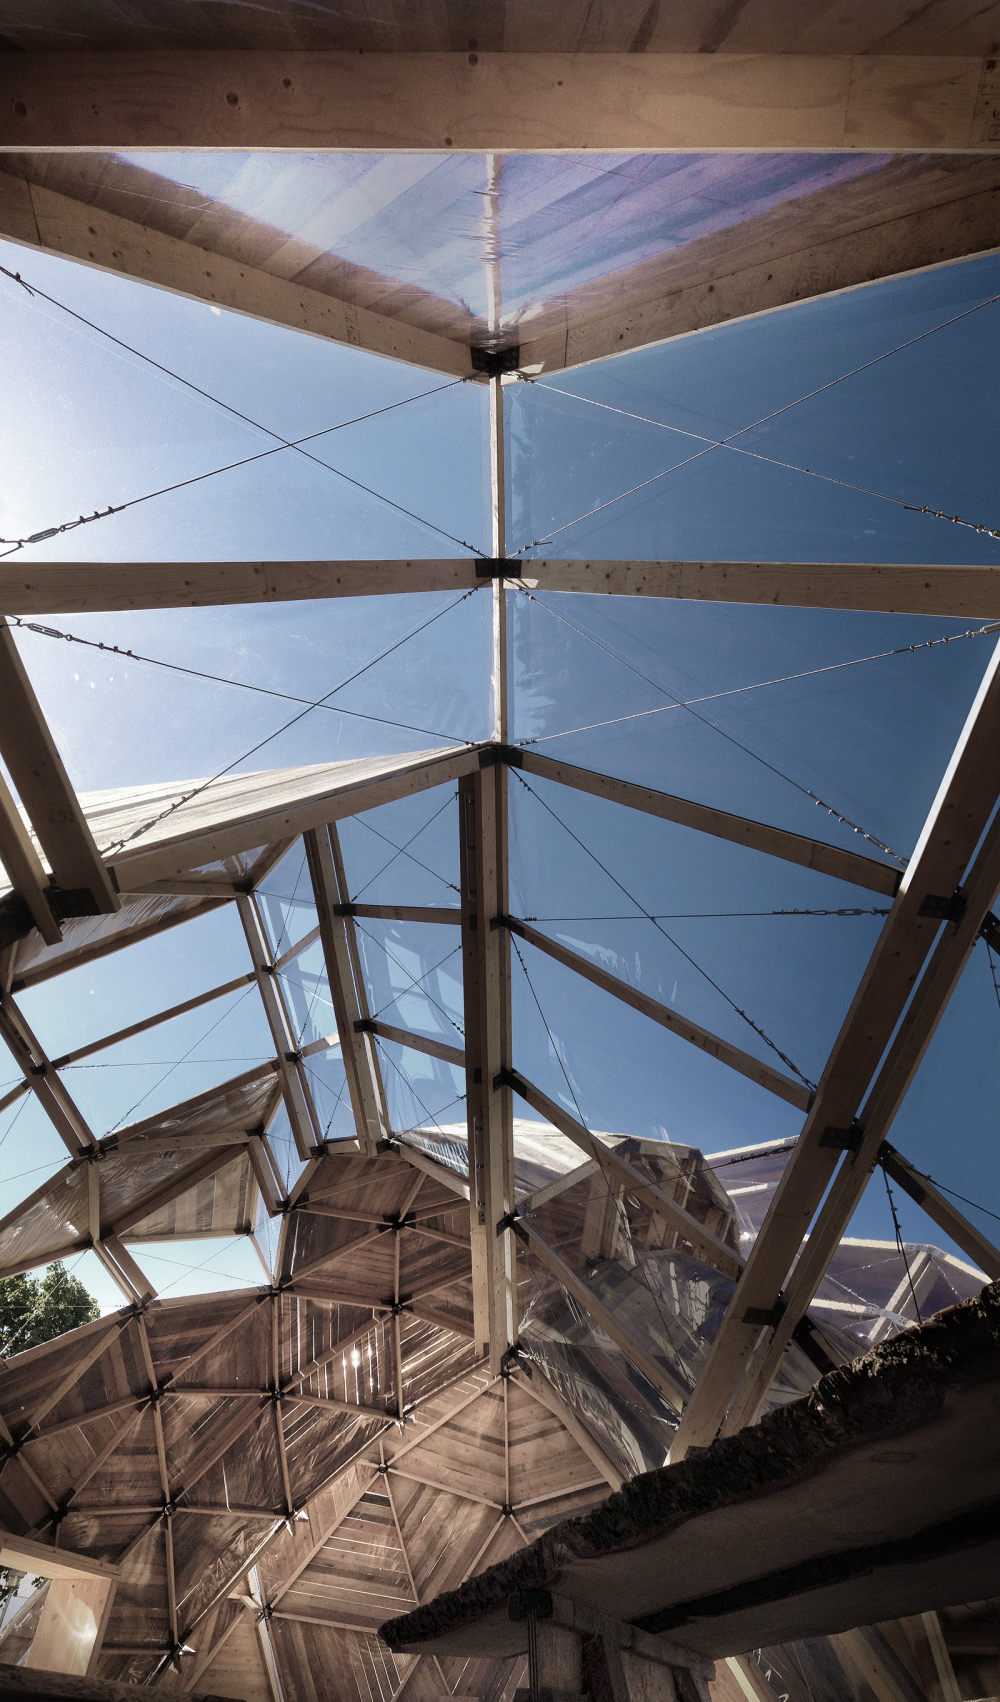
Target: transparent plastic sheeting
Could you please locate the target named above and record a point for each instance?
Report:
(866, 1292)
(87, 937)
(146, 1158)
(547, 224)
(671, 1306)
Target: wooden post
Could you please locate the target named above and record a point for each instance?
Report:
(481, 802)
(361, 1066)
(298, 1099)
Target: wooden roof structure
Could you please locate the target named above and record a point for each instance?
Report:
(463, 1335)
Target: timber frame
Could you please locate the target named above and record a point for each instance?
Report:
(412, 1254)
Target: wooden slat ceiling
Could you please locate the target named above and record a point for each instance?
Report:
(525, 26)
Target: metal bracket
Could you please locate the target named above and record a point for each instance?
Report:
(508, 1078)
(844, 1140)
(765, 1317)
(493, 363)
(491, 754)
(345, 910)
(364, 1025)
(497, 567)
(940, 909)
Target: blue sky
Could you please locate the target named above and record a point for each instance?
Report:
(89, 425)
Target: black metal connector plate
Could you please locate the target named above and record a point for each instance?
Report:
(493, 363)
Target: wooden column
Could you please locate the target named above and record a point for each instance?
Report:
(343, 968)
(46, 792)
(482, 801)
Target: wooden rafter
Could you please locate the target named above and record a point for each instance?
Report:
(295, 1086)
(42, 218)
(737, 290)
(962, 809)
(44, 787)
(752, 835)
(775, 1081)
(347, 989)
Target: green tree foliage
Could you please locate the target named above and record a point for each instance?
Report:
(34, 1309)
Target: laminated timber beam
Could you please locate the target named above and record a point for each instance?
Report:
(347, 990)
(29, 587)
(482, 807)
(760, 1313)
(295, 1087)
(379, 102)
(893, 588)
(890, 248)
(44, 787)
(44, 219)
(741, 830)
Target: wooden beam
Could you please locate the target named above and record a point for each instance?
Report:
(28, 587)
(912, 1038)
(964, 805)
(149, 1022)
(775, 1081)
(941, 1210)
(24, 866)
(482, 807)
(44, 1081)
(59, 224)
(846, 259)
(899, 588)
(718, 1253)
(740, 830)
(347, 990)
(508, 102)
(950, 1691)
(866, 1651)
(437, 915)
(44, 787)
(182, 849)
(295, 1087)
(419, 1043)
(26, 1555)
(498, 536)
